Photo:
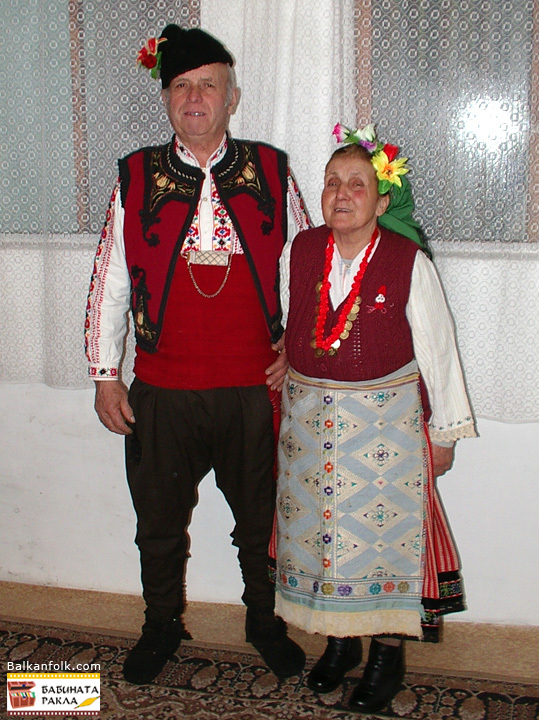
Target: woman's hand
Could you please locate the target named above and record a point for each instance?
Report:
(442, 459)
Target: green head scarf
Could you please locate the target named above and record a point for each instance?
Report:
(398, 216)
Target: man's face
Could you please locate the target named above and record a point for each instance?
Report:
(197, 104)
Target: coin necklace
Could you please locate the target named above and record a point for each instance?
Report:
(350, 310)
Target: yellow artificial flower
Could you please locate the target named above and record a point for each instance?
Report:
(388, 172)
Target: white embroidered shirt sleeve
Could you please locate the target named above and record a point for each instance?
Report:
(437, 355)
(109, 297)
(298, 220)
(298, 216)
(284, 283)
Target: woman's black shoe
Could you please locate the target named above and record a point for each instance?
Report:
(340, 656)
(381, 679)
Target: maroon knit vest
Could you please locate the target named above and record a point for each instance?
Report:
(380, 340)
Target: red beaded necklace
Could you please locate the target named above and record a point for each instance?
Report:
(351, 305)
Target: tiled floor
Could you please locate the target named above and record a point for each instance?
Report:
(501, 651)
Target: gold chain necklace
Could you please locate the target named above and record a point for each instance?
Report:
(197, 287)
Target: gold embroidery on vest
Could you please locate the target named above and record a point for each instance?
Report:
(163, 183)
(246, 175)
(145, 329)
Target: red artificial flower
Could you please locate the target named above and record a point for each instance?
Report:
(391, 151)
(152, 45)
(148, 56)
(145, 59)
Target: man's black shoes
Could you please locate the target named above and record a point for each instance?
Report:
(158, 643)
(160, 640)
(267, 633)
(340, 656)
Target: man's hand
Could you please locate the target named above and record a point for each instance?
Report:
(442, 459)
(277, 370)
(112, 406)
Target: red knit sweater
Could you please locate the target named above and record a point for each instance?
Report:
(210, 342)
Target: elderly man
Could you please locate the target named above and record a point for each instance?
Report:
(191, 245)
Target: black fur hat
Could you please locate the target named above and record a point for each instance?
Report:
(187, 50)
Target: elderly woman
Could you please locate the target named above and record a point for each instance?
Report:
(374, 404)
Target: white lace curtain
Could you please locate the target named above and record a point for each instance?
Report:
(453, 83)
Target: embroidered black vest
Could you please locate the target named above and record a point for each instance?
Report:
(160, 194)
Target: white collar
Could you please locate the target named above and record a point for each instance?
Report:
(187, 156)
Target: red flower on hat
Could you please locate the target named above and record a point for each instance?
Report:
(150, 56)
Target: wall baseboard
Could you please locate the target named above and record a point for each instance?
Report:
(509, 652)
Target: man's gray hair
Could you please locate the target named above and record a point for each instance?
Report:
(231, 84)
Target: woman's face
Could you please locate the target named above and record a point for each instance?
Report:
(350, 200)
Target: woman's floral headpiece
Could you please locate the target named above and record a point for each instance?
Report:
(388, 167)
(398, 216)
(149, 56)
